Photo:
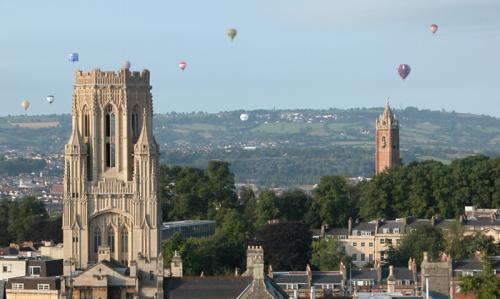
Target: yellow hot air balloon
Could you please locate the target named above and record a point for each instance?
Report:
(231, 33)
(25, 104)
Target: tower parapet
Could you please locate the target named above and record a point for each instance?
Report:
(107, 78)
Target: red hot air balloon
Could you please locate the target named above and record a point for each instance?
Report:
(404, 70)
(182, 65)
(433, 28)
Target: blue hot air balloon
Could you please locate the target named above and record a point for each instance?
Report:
(73, 57)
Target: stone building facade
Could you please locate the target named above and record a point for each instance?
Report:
(386, 140)
(111, 176)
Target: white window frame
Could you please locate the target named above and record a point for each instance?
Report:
(43, 286)
(30, 271)
(18, 286)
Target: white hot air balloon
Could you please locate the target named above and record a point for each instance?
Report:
(50, 99)
(25, 104)
(244, 117)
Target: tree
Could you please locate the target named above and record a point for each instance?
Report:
(484, 285)
(293, 205)
(5, 236)
(267, 207)
(454, 241)
(423, 238)
(287, 245)
(327, 254)
(332, 202)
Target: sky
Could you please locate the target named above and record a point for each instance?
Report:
(288, 53)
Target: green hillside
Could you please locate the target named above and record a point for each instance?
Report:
(286, 147)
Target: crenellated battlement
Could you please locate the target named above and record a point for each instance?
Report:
(122, 77)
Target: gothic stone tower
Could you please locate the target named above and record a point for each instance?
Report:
(111, 171)
(386, 140)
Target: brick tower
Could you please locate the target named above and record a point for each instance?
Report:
(386, 140)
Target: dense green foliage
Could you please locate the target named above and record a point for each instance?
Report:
(287, 245)
(20, 165)
(18, 218)
(327, 254)
(484, 285)
(191, 193)
(431, 188)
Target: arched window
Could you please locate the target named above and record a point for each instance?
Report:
(110, 140)
(97, 239)
(135, 123)
(86, 123)
(110, 121)
(111, 239)
(124, 240)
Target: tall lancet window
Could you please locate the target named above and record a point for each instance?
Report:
(110, 137)
(124, 244)
(135, 124)
(97, 239)
(86, 123)
(111, 239)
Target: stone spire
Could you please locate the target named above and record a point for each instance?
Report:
(387, 119)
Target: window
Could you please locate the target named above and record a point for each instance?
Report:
(366, 233)
(292, 286)
(18, 286)
(398, 241)
(354, 244)
(363, 257)
(396, 231)
(43, 286)
(362, 244)
(124, 240)
(354, 257)
(111, 239)
(86, 294)
(382, 241)
(151, 275)
(97, 239)
(7, 268)
(34, 270)
(370, 257)
(388, 241)
(386, 230)
(135, 124)
(110, 134)
(370, 244)
(110, 122)
(86, 125)
(110, 155)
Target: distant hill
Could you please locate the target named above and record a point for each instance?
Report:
(285, 147)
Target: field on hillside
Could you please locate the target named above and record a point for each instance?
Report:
(287, 147)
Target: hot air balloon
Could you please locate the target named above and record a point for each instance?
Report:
(404, 70)
(126, 65)
(433, 28)
(73, 57)
(244, 117)
(25, 104)
(182, 65)
(50, 99)
(231, 33)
